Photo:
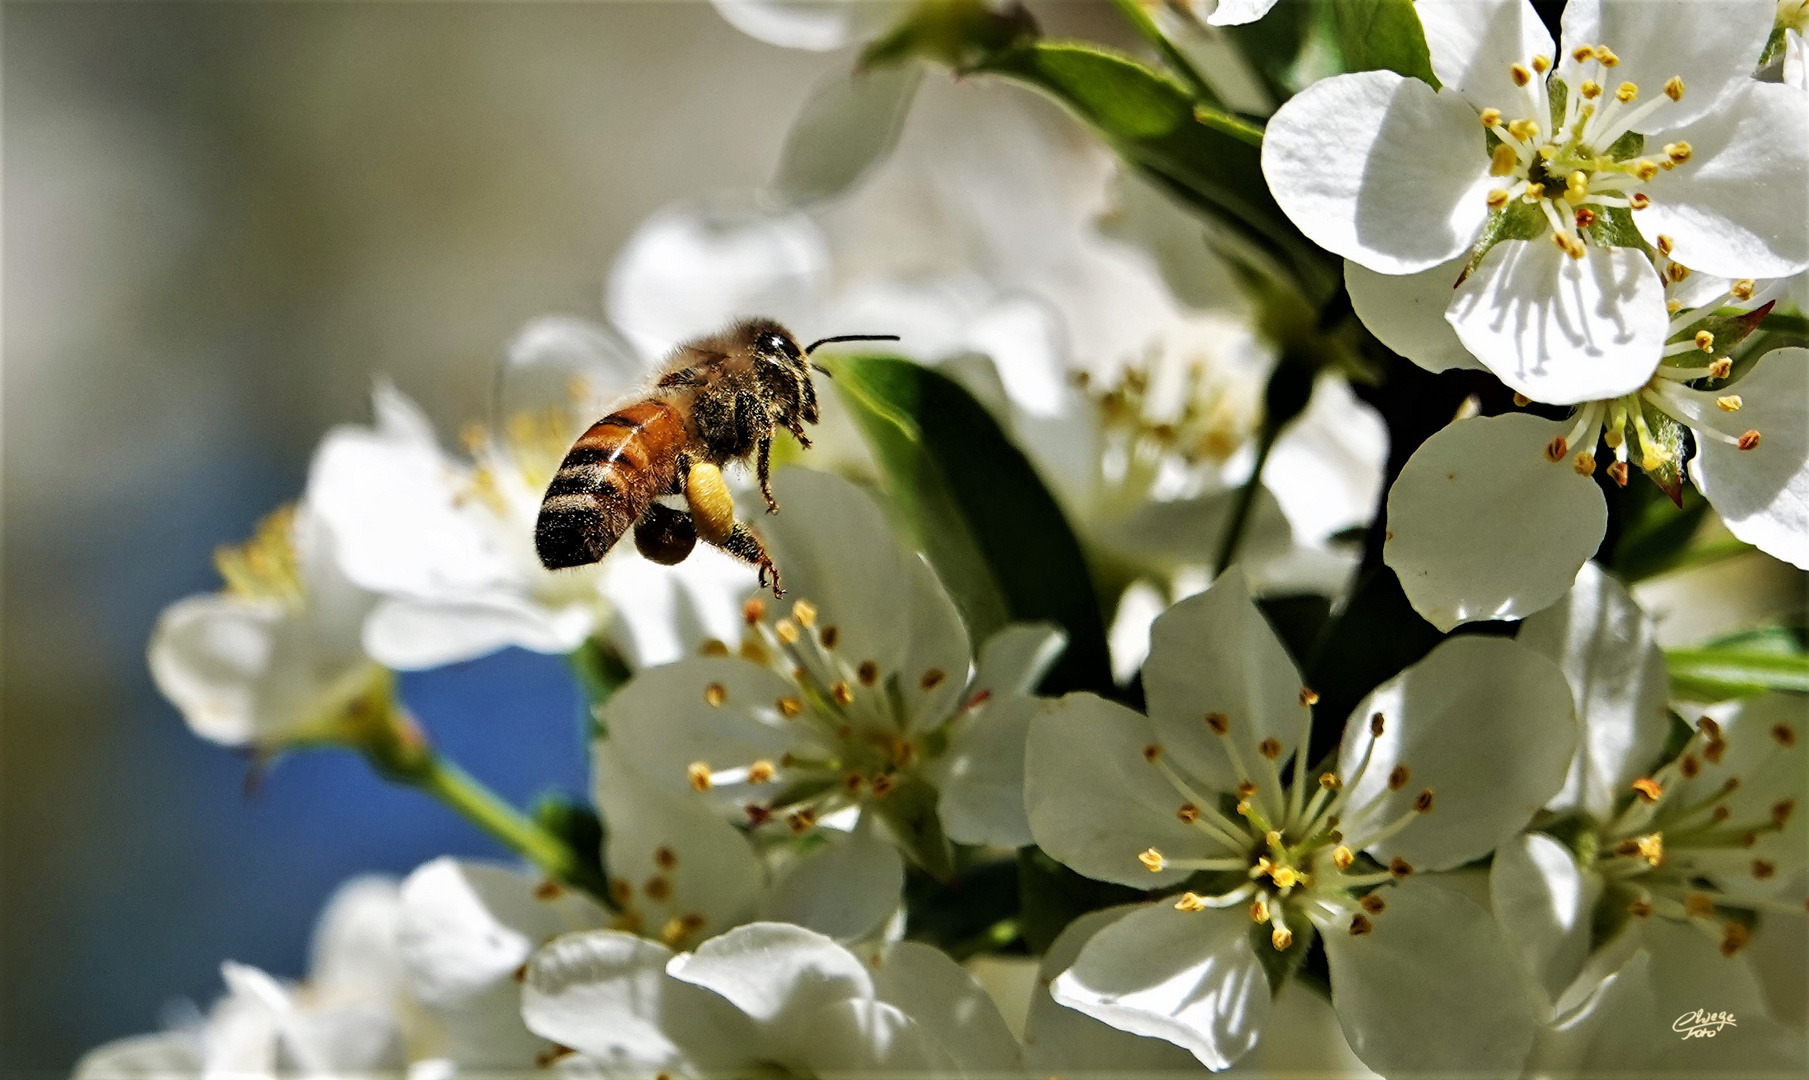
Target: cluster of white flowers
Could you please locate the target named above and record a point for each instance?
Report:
(1516, 854)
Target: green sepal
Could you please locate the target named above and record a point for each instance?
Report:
(959, 33)
(1717, 674)
(1518, 220)
(576, 823)
(1383, 35)
(976, 506)
(1671, 442)
(909, 814)
(1730, 331)
(601, 671)
(1613, 227)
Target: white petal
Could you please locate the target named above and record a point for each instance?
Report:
(1482, 526)
(693, 268)
(861, 1038)
(1608, 1028)
(950, 1006)
(1563, 330)
(1771, 770)
(1689, 973)
(1326, 468)
(832, 544)
(556, 360)
(817, 25)
(1380, 169)
(209, 655)
(1474, 42)
(1095, 803)
(1239, 12)
(1128, 639)
(1302, 1038)
(774, 973)
(663, 613)
(1015, 659)
(1172, 535)
(1058, 1039)
(1713, 45)
(1545, 903)
(1191, 978)
(465, 927)
(846, 888)
(411, 634)
(1432, 989)
(355, 940)
(1736, 207)
(1216, 653)
(1762, 494)
(706, 866)
(938, 643)
(1608, 649)
(848, 125)
(1485, 724)
(662, 721)
(1406, 312)
(166, 1055)
(606, 993)
(983, 779)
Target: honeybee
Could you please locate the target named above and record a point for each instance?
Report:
(718, 399)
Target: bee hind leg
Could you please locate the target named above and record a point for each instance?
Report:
(744, 545)
(763, 468)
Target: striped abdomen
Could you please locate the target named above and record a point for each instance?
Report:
(606, 482)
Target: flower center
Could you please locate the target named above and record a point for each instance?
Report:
(855, 739)
(1587, 166)
(264, 567)
(1283, 853)
(1660, 853)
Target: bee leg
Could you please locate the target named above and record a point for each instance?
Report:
(809, 396)
(712, 510)
(763, 468)
(744, 545)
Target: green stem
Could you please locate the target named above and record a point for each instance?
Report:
(482, 807)
(1146, 28)
(1246, 499)
(1235, 126)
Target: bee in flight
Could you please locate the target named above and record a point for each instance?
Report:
(718, 399)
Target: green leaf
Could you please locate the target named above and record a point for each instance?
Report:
(1717, 674)
(1151, 121)
(978, 509)
(1383, 35)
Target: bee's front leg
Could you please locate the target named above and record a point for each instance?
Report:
(744, 545)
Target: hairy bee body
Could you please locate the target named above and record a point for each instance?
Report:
(717, 400)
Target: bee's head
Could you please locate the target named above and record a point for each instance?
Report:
(771, 343)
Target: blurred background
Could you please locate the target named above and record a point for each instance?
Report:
(220, 222)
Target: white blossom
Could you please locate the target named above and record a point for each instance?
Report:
(816, 25)
(1652, 865)
(351, 1017)
(767, 997)
(1437, 766)
(274, 659)
(1532, 183)
(852, 706)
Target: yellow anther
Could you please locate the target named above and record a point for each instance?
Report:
(1522, 401)
(1742, 289)
(1585, 217)
(1625, 92)
(1342, 857)
(1541, 64)
(1504, 161)
(698, 774)
(1645, 168)
(1582, 54)
(1606, 56)
(1400, 774)
(1218, 722)
(1246, 789)
(1374, 904)
(1639, 909)
(1674, 88)
(805, 612)
(1705, 341)
(1585, 464)
(1190, 902)
(760, 772)
(1153, 861)
(1330, 782)
(1576, 188)
(1648, 789)
(1259, 910)
(1698, 905)
(1679, 152)
(842, 693)
(753, 611)
(1555, 451)
(1188, 813)
(1360, 925)
(1281, 938)
(1676, 272)
(1650, 847)
(1269, 748)
(715, 694)
(1400, 867)
(1520, 74)
(1729, 403)
(1733, 938)
(801, 820)
(1498, 198)
(1721, 368)
(1152, 752)
(1639, 200)
(1749, 441)
(1491, 117)
(1308, 696)
(1422, 803)
(1285, 877)
(789, 707)
(787, 631)
(1525, 130)
(1591, 89)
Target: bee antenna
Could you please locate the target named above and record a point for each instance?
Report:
(849, 337)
